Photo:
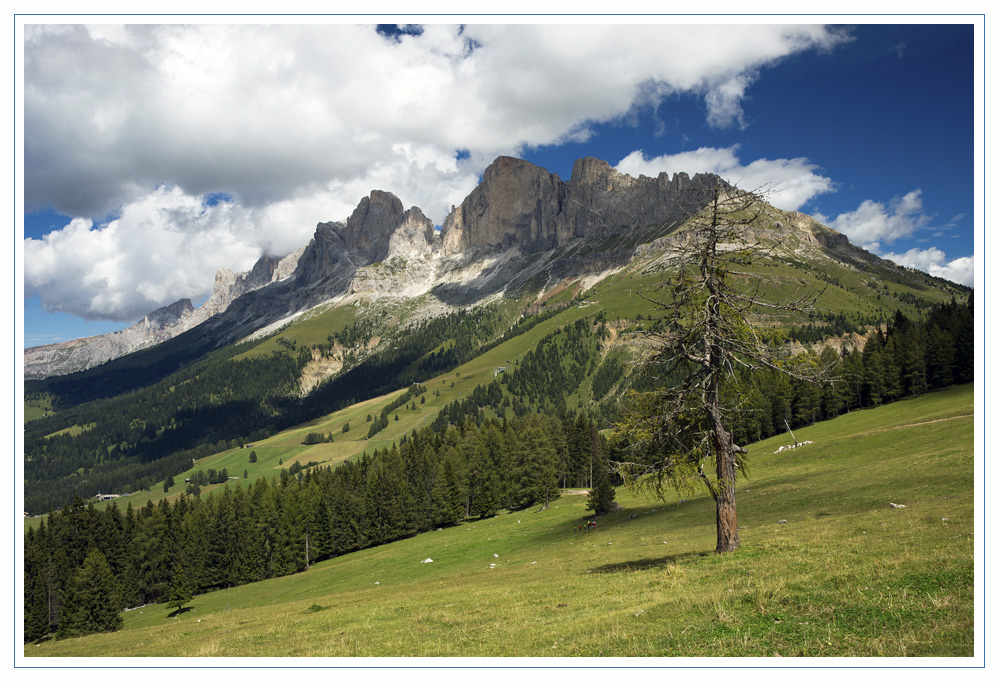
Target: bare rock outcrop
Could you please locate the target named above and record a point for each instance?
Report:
(517, 203)
(520, 204)
(601, 201)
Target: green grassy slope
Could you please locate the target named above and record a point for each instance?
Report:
(35, 408)
(285, 448)
(826, 568)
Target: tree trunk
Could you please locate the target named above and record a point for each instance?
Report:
(727, 532)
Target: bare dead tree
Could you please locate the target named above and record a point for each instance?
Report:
(710, 306)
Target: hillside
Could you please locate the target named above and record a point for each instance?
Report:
(299, 376)
(827, 568)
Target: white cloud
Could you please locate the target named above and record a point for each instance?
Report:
(724, 101)
(262, 112)
(297, 122)
(165, 247)
(874, 223)
(789, 183)
(934, 261)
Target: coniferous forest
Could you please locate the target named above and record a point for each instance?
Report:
(83, 565)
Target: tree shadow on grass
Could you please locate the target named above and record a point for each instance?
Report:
(178, 612)
(648, 563)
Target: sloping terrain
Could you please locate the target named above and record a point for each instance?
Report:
(827, 568)
(371, 347)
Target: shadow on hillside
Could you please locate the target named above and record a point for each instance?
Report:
(178, 612)
(648, 563)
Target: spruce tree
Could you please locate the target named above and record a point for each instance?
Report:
(603, 494)
(95, 604)
(180, 590)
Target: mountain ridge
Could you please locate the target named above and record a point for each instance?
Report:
(521, 228)
(518, 207)
(157, 326)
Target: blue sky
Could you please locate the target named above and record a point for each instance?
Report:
(156, 155)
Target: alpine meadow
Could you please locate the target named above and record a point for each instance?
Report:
(677, 406)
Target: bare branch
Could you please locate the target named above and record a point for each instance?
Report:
(707, 339)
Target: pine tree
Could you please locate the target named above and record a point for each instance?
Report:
(603, 494)
(712, 298)
(180, 590)
(36, 594)
(448, 494)
(95, 602)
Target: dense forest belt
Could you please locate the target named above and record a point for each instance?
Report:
(268, 529)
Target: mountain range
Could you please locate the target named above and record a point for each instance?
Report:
(518, 211)
(522, 228)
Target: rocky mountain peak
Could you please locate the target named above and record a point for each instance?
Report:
(169, 315)
(516, 204)
(369, 228)
(591, 171)
(414, 237)
(518, 208)
(523, 205)
(377, 228)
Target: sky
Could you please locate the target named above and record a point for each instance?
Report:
(155, 154)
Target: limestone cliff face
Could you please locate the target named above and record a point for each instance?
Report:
(377, 231)
(516, 204)
(378, 228)
(521, 205)
(372, 224)
(414, 238)
(229, 286)
(601, 201)
(323, 254)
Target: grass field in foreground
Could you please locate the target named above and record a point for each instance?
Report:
(826, 568)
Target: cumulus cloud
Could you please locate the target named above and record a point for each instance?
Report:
(261, 112)
(157, 251)
(874, 223)
(296, 123)
(789, 183)
(934, 262)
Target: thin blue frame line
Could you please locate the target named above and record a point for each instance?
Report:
(983, 278)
